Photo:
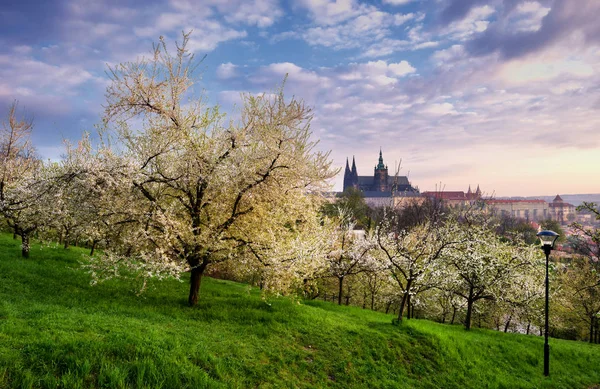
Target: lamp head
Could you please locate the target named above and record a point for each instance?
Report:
(548, 238)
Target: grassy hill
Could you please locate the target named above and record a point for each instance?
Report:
(58, 331)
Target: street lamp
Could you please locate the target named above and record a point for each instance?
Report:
(548, 238)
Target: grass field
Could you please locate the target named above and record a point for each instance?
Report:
(57, 331)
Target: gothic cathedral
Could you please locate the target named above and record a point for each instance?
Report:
(380, 184)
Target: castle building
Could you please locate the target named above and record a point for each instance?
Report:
(381, 189)
(380, 183)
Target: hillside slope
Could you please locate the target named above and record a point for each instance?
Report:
(58, 331)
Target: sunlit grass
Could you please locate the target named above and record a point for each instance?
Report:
(58, 331)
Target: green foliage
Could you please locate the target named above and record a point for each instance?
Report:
(512, 228)
(58, 331)
(555, 226)
(353, 203)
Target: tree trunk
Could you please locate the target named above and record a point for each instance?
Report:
(408, 308)
(507, 324)
(372, 301)
(453, 315)
(15, 233)
(66, 238)
(405, 299)
(402, 304)
(94, 242)
(388, 306)
(195, 280)
(340, 286)
(469, 309)
(592, 329)
(528, 327)
(25, 244)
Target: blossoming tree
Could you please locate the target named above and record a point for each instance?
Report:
(21, 178)
(413, 256)
(203, 189)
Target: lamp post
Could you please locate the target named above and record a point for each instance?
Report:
(548, 238)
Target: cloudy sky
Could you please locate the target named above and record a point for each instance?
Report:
(504, 94)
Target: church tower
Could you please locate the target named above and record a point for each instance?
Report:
(380, 179)
(347, 176)
(354, 174)
(350, 176)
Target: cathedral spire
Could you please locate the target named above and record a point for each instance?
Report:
(380, 165)
(354, 174)
(347, 176)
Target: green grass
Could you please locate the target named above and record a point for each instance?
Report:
(56, 331)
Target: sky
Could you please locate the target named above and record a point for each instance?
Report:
(500, 94)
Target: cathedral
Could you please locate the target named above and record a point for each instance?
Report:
(381, 184)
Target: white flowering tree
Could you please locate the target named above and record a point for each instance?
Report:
(23, 181)
(524, 294)
(350, 252)
(481, 266)
(413, 256)
(94, 195)
(202, 189)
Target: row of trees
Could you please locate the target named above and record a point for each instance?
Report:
(442, 263)
(171, 185)
(424, 252)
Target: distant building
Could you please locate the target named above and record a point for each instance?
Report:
(455, 198)
(535, 210)
(530, 210)
(561, 211)
(381, 189)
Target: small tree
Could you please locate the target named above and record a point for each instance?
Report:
(580, 293)
(21, 181)
(413, 256)
(349, 253)
(482, 266)
(587, 240)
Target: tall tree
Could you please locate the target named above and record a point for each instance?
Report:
(204, 189)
